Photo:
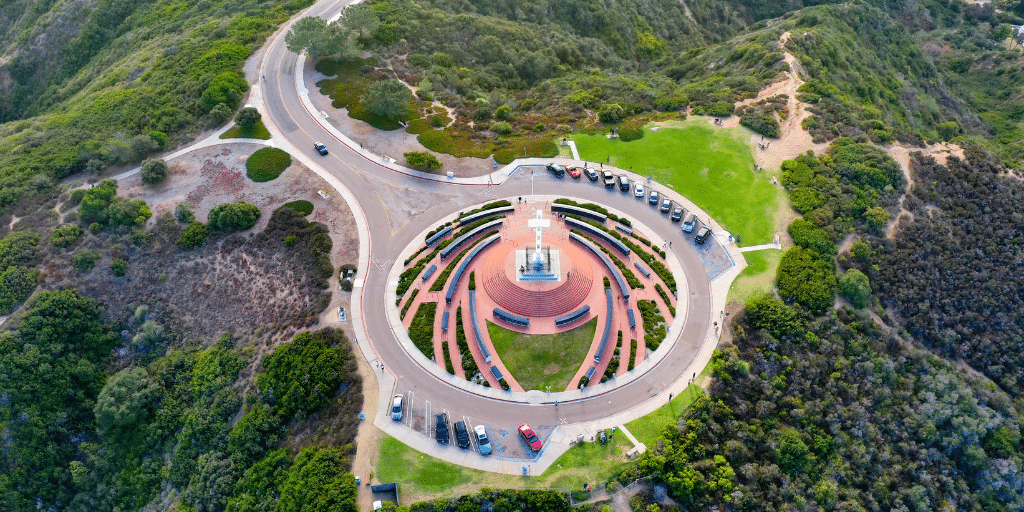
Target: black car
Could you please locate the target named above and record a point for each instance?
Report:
(623, 183)
(590, 173)
(609, 179)
(461, 435)
(442, 428)
(702, 234)
(556, 169)
(677, 214)
(320, 147)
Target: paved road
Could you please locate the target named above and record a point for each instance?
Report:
(357, 177)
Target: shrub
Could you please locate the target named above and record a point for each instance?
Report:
(248, 117)
(855, 287)
(408, 303)
(611, 113)
(267, 164)
(183, 212)
(628, 133)
(119, 267)
(305, 373)
(302, 206)
(193, 236)
(16, 284)
(421, 329)
(388, 98)
(346, 285)
(153, 171)
(226, 89)
(501, 127)
(65, 235)
(422, 160)
(721, 109)
(504, 113)
(85, 259)
(233, 216)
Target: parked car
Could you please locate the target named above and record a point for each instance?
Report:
(481, 440)
(556, 169)
(320, 147)
(665, 205)
(396, 407)
(574, 172)
(689, 222)
(677, 214)
(702, 234)
(653, 198)
(530, 437)
(624, 183)
(609, 179)
(638, 190)
(591, 174)
(461, 435)
(441, 430)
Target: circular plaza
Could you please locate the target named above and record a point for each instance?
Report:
(553, 295)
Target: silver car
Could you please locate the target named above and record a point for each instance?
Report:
(396, 407)
(481, 440)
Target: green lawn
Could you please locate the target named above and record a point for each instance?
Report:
(758, 277)
(421, 476)
(258, 131)
(542, 360)
(648, 429)
(713, 167)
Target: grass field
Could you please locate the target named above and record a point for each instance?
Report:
(421, 476)
(758, 277)
(267, 164)
(257, 131)
(538, 361)
(713, 167)
(648, 429)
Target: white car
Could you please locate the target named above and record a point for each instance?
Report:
(481, 440)
(638, 190)
(396, 407)
(654, 197)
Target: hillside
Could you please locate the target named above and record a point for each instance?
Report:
(883, 372)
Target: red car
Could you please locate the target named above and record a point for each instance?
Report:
(574, 171)
(530, 437)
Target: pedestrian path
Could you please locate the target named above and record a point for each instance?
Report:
(761, 247)
(572, 147)
(638, 447)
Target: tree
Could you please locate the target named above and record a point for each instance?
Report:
(318, 481)
(301, 376)
(248, 117)
(611, 113)
(193, 236)
(124, 403)
(226, 88)
(65, 235)
(359, 18)
(154, 171)
(807, 235)
(183, 212)
(504, 113)
(856, 287)
(233, 216)
(388, 98)
(318, 38)
(85, 259)
(877, 218)
(125, 212)
(16, 284)
(806, 278)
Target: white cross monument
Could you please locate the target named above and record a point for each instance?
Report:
(538, 224)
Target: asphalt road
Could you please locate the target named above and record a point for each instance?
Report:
(386, 242)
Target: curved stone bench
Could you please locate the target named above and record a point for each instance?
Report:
(469, 219)
(576, 210)
(439, 235)
(447, 251)
(510, 318)
(607, 263)
(583, 226)
(454, 281)
(607, 326)
(476, 328)
(572, 317)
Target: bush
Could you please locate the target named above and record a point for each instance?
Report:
(422, 160)
(65, 235)
(153, 171)
(388, 98)
(629, 133)
(855, 287)
(806, 278)
(193, 236)
(16, 284)
(267, 164)
(248, 117)
(302, 376)
(501, 127)
(611, 113)
(183, 212)
(85, 259)
(302, 206)
(119, 267)
(421, 329)
(233, 216)
(504, 113)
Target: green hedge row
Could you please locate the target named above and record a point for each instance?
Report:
(668, 301)
(654, 324)
(628, 274)
(613, 364)
(633, 345)
(443, 278)
(489, 206)
(408, 303)
(468, 361)
(448, 366)
(421, 330)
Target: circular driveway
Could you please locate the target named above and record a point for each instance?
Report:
(362, 178)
